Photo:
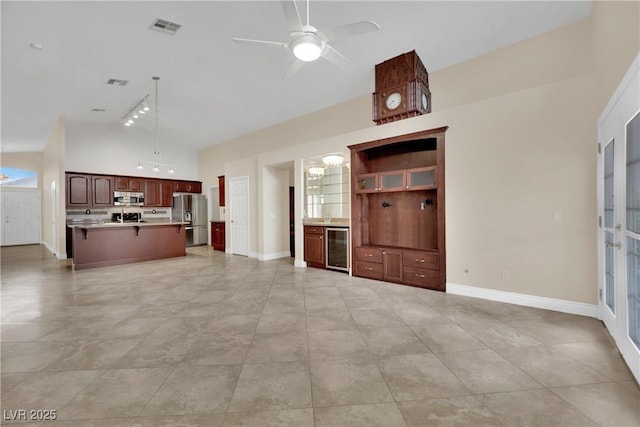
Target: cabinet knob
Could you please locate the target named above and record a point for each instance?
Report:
(384, 253)
(321, 237)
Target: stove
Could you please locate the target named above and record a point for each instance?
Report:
(127, 217)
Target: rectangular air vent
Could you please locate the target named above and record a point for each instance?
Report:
(166, 27)
(117, 82)
(98, 110)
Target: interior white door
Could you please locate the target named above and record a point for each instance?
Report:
(21, 215)
(619, 217)
(239, 213)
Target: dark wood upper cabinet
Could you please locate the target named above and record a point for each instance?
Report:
(94, 190)
(221, 190)
(397, 209)
(152, 194)
(78, 190)
(187, 187)
(166, 193)
(126, 183)
(102, 187)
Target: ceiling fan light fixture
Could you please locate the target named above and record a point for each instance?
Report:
(332, 160)
(316, 171)
(307, 47)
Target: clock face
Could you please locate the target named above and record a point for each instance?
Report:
(425, 102)
(393, 100)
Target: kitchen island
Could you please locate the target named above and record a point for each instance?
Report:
(105, 244)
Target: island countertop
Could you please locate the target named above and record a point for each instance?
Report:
(113, 243)
(94, 224)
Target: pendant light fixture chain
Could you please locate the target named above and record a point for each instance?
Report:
(157, 151)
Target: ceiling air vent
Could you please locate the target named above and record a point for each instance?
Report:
(118, 82)
(98, 110)
(166, 27)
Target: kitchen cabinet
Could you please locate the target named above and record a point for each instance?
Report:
(166, 193)
(314, 246)
(86, 190)
(102, 189)
(152, 195)
(187, 187)
(218, 235)
(400, 180)
(221, 190)
(78, 190)
(397, 209)
(126, 183)
(158, 193)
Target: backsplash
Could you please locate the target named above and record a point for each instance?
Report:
(104, 214)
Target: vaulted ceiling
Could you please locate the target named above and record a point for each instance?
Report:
(58, 56)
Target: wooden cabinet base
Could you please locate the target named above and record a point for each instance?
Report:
(218, 235)
(104, 246)
(399, 265)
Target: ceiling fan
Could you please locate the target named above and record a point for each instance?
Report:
(307, 43)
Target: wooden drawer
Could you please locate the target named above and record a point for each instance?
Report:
(313, 229)
(371, 270)
(415, 259)
(369, 254)
(421, 277)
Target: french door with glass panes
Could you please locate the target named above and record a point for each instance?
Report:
(619, 217)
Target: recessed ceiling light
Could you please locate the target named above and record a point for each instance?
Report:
(36, 46)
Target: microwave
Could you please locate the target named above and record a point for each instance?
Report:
(126, 198)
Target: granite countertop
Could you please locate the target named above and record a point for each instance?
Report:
(328, 222)
(123, 224)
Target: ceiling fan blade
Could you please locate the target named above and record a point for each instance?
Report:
(260, 42)
(294, 23)
(295, 67)
(335, 57)
(350, 30)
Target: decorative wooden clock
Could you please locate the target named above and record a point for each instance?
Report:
(402, 89)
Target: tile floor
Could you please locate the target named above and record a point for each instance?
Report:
(222, 340)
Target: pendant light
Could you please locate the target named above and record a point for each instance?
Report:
(142, 108)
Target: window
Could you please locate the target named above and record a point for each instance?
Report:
(12, 177)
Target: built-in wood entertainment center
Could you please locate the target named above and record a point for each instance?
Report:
(397, 209)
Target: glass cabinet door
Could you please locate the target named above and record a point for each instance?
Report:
(421, 178)
(392, 181)
(368, 183)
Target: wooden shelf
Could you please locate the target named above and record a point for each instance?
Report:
(397, 209)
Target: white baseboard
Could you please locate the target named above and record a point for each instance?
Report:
(564, 306)
(300, 264)
(277, 255)
(50, 249)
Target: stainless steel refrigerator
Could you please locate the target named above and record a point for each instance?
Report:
(192, 209)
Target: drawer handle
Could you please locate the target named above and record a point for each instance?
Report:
(368, 268)
(420, 275)
(420, 260)
(368, 254)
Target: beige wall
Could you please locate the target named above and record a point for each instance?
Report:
(520, 153)
(53, 170)
(616, 42)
